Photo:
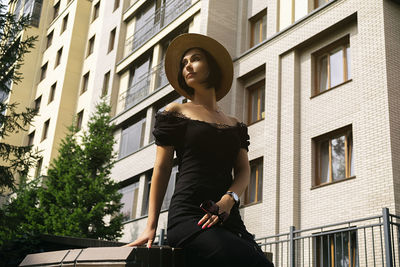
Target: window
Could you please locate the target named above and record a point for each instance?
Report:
(106, 82)
(146, 196)
(253, 192)
(79, 119)
(31, 137)
(38, 168)
(132, 137)
(96, 10)
(168, 194)
(58, 58)
(332, 65)
(45, 129)
(337, 249)
(111, 40)
(64, 24)
(129, 200)
(318, 3)
(43, 71)
(256, 102)
(334, 156)
(90, 46)
(32, 8)
(170, 188)
(85, 82)
(258, 28)
(49, 39)
(56, 9)
(116, 4)
(52, 92)
(37, 103)
(139, 82)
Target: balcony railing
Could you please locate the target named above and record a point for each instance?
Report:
(372, 241)
(162, 17)
(32, 9)
(142, 88)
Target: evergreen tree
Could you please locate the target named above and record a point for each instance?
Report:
(80, 199)
(14, 160)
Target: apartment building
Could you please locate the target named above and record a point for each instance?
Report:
(316, 81)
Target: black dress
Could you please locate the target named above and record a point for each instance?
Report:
(206, 153)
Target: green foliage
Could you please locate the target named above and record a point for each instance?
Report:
(79, 192)
(14, 160)
(77, 198)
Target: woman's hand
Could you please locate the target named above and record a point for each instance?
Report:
(146, 238)
(225, 204)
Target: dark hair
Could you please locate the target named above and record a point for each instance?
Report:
(214, 78)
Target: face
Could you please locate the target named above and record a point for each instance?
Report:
(195, 69)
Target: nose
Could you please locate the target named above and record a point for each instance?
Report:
(189, 66)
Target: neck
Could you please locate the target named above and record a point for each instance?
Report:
(205, 97)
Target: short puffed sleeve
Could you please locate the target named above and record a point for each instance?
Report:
(169, 129)
(244, 136)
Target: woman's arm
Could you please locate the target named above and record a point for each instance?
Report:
(159, 183)
(239, 184)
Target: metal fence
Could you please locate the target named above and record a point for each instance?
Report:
(372, 241)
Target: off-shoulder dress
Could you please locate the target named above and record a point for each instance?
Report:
(206, 154)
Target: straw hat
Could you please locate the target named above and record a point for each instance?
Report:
(186, 41)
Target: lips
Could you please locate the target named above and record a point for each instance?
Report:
(189, 75)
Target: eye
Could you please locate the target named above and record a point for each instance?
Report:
(184, 62)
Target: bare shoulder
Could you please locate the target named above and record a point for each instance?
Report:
(234, 120)
(174, 107)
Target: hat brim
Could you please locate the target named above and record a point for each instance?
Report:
(186, 41)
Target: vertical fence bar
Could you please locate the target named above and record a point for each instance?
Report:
(162, 237)
(382, 254)
(365, 249)
(373, 244)
(398, 242)
(386, 234)
(292, 250)
(393, 244)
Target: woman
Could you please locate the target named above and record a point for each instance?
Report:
(204, 214)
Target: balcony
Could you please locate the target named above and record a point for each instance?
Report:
(162, 17)
(33, 9)
(146, 84)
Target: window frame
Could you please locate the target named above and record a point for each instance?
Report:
(52, 92)
(43, 71)
(330, 236)
(64, 24)
(135, 184)
(49, 39)
(116, 4)
(258, 87)
(79, 120)
(58, 57)
(85, 82)
(90, 47)
(45, 128)
(111, 40)
(38, 102)
(56, 10)
(141, 118)
(349, 148)
(31, 138)
(106, 83)
(253, 21)
(245, 198)
(341, 44)
(96, 11)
